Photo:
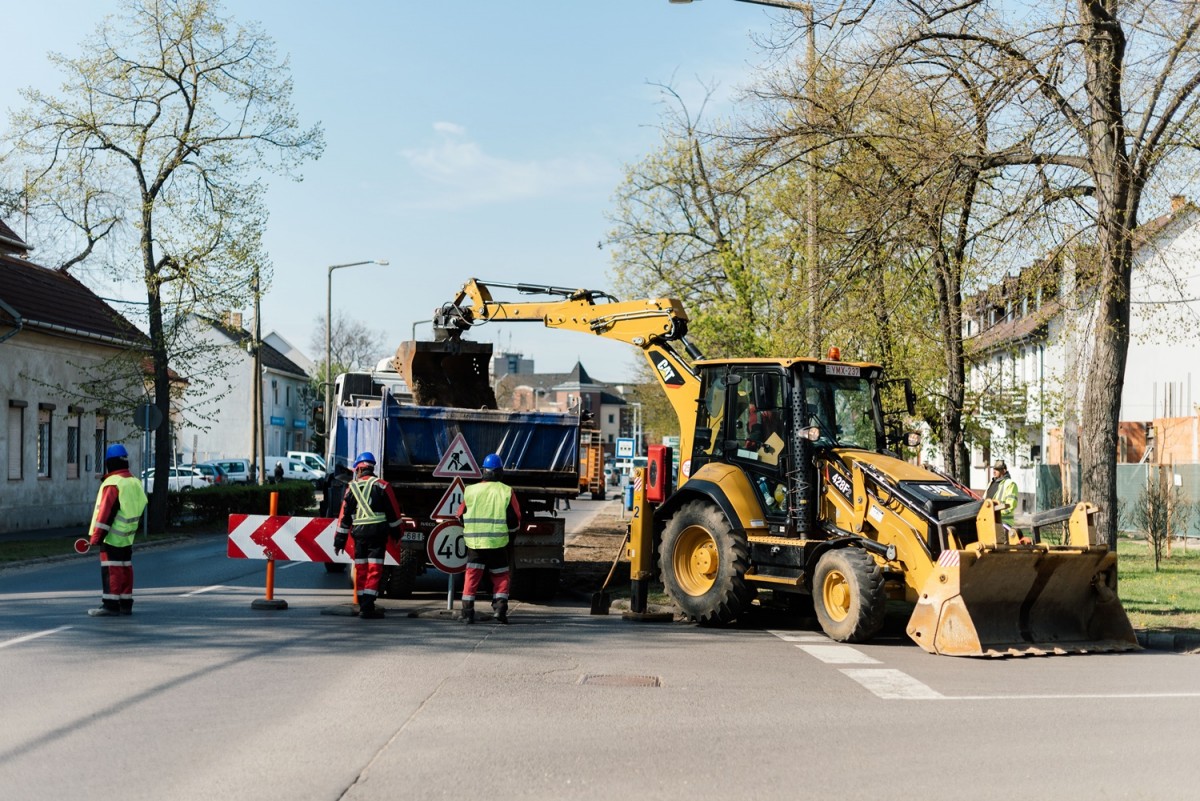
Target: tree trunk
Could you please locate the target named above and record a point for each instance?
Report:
(1116, 216)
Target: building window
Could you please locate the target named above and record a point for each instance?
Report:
(611, 419)
(73, 421)
(16, 440)
(44, 443)
(100, 443)
(287, 394)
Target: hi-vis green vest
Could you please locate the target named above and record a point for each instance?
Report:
(1006, 494)
(131, 502)
(485, 521)
(363, 514)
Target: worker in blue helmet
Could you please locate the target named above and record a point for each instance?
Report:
(370, 512)
(119, 505)
(489, 514)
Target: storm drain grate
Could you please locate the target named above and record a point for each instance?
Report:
(613, 680)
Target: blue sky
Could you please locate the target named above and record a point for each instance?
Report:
(471, 138)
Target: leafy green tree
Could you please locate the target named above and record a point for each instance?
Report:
(169, 115)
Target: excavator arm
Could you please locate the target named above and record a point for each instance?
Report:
(651, 325)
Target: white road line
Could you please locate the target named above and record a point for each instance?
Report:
(892, 684)
(205, 589)
(799, 636)
(33, 636)
(290, 564)
(838, 654)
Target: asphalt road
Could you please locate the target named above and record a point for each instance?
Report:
(198, 696)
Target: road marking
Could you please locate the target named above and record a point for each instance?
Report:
(838, 654)
(291, 564)
(891, 684)
(206, 589)
(33, 636)
(793, 636)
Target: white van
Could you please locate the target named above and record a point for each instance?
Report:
(313, 460)
(294, 469)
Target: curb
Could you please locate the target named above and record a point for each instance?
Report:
(1168, 641)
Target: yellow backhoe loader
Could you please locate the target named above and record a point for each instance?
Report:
(790, 487)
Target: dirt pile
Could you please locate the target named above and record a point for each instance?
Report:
(590, 555)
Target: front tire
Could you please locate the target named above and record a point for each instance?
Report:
(703, 562)
(848, 595)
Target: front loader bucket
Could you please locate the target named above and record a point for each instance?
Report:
(447, 373)
(1018, 601)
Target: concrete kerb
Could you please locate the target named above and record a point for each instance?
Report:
(1181, 643)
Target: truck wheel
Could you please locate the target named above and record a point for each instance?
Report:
(535, 583)
(704, 563)
(401, 580)
(848, 595)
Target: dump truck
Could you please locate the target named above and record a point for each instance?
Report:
(382, 413)
(791, 490)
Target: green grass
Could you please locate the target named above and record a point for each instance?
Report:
(1168, 600)
(20, 550)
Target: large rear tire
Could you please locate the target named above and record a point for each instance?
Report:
(848, 595)
(401, 580)
(703, 562)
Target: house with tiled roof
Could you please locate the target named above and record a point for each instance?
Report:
(227, 430)
(56, 336)
(561, 392)
(1028, 341)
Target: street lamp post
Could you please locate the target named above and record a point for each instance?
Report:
(328, 335)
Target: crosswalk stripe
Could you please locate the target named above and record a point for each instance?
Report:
(838, 654)
(892, 684)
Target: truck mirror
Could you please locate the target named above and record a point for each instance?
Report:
(732, 378)
(702, 438)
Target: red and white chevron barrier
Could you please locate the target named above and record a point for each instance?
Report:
(295, 539)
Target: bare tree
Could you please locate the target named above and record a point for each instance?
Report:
(1104, 93)
(352, 345)
(171, 111)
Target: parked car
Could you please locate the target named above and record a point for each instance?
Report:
(237, 471)
(295, 469)
(212, 472)
(179, 479)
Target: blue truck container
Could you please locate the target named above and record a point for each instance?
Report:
(539, 450)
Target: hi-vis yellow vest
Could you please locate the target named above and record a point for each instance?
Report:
(363, 513)
(131, 502)
(485, 522)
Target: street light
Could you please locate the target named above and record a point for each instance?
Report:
(328, 323)
(810, 212)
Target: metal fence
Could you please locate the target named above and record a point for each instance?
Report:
(1131, 483)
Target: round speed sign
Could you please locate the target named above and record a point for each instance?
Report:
(446, 548)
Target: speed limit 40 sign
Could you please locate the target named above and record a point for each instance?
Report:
(446, 548)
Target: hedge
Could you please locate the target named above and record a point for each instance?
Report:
(215, 504)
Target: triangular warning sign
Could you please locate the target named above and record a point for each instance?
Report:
(447, 507)
(457, 461)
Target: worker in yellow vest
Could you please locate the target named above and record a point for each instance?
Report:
(489, 514)
(119, 505)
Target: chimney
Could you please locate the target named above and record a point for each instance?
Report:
(1178, 202)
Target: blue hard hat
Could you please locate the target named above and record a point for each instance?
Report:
(116, 451)
(365, 456)
(492, 462)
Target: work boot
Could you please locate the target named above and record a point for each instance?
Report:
(371, 613)
(103, 611)
(126, 607)
(501, 609)
(468, 611)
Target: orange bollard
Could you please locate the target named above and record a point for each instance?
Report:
(270, 602)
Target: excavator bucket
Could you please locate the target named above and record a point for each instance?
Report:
(447, 373)
(997, 599)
